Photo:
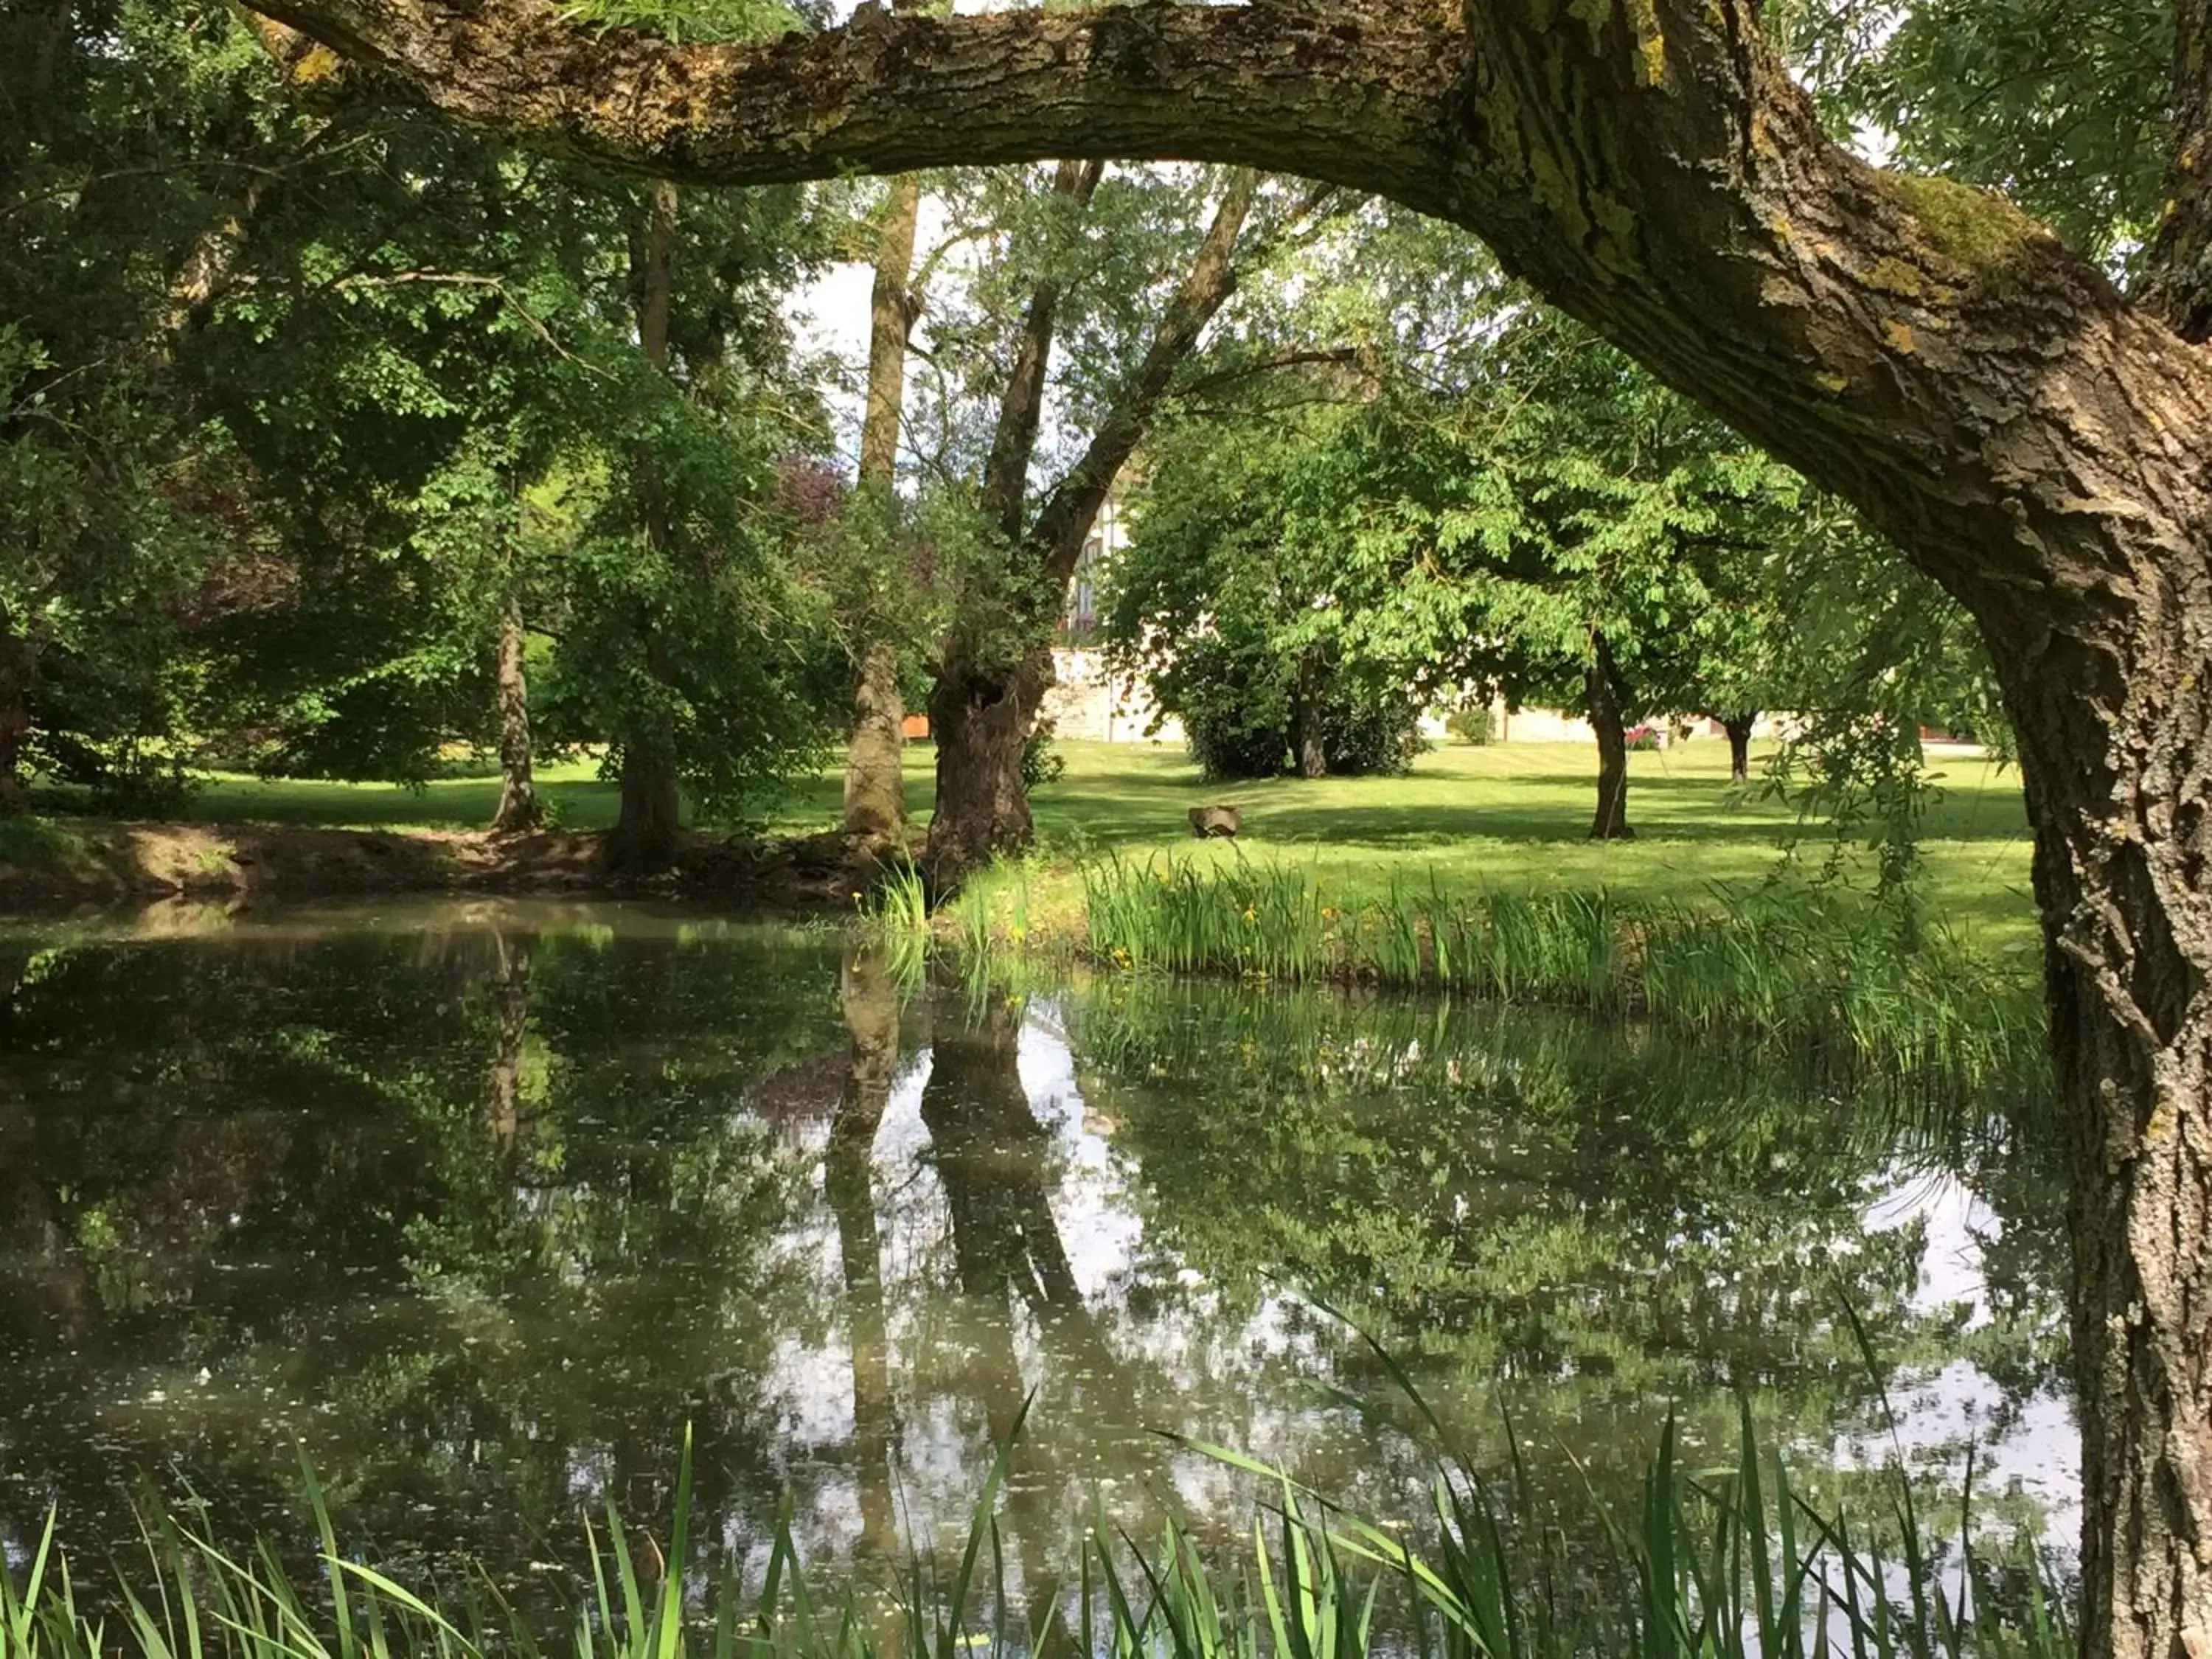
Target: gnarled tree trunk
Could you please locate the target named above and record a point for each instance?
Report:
(983, 710)
(1602, 692)
(2116, 791)
(980, 717)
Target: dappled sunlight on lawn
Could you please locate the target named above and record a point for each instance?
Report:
(1508, 814)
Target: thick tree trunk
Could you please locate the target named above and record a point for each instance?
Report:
(980, 717)
(2116, 790)
(871, 1006)
(1305, 716)
(645, 838)
(1738, 727)
(519, 812)
(981, 714)
(1603, 692)
(875, 781)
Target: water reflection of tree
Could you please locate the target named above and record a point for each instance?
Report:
(871, 1003)
(493, 1212)
(993, 1160)
(472, 1212)
(1597, 1226)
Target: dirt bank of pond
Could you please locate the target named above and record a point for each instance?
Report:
(66, 861)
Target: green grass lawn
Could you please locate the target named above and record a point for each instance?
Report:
(1507, 815)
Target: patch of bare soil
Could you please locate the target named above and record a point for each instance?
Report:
(93, 860)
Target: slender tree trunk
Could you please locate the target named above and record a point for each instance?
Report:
(980, 717)
(17, 667)
(519, 812)
(1306, 711)
(644, 839)
(1738, 727)
(875, 779)
(511, 1006)
(871, 1006)
(1603, 692)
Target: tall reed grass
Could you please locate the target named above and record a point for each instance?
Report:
(1793, 963)
(1727, 1563)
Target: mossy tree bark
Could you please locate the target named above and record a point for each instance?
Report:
(875, 782)
(2032, 439)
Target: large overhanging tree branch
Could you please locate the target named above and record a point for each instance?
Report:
(1684, 200)
(2027, 436)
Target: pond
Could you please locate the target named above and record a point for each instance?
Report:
(482, 1207)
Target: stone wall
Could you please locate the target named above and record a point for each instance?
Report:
(1087, 702)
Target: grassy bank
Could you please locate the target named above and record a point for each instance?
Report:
(1505, 816)
(1510, 818)
(1722, 1564)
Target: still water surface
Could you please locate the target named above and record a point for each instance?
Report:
(484, 1204)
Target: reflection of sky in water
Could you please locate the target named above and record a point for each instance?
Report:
(1155, 1344)
(2037, 1451)
(942, 1448)
(1248, 1385)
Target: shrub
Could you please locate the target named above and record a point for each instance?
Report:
(1370, 731)
(1238, 714)
(1040, 762)
(1472, 725)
